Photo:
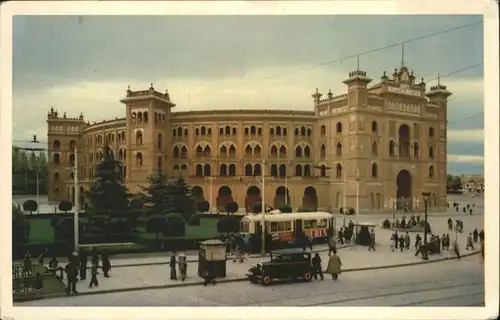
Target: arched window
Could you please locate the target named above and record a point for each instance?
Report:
(374, 148)
(298, 151)
(285, 132)
(278, 131)
(431, 152)
(309, 132)
(303, 131)
(174, 133)
(296, 132)
(322, 151)
(274, 151)
(223, 151)
(145, 117)
(391, 148)
(339, 149)
(57, 158)
(298, 170)
(374, 126)
(139, 159)
(56, 176)
(199, 170)
(307, 170)
(253, 130)
(338, 127)
(186, 132)
(431, 132)
(431, 172)
(232, 170)
(374, 170)
(323, 131)
(199, 151)
(139, 117)
(197, 132)
(179, 132)
(259, 132)
(248, 170)
(416, 150)
(257, 170)
(234, 131)
(282, 151)
(57, 145)
(274, 170)
(138, 138)
(271, 132)
(227, 130)
(203, 131)
(248, 151)
(184, 152)
(247, 131)
(160, 141)
(307, 152)
(176, 152)
(339, 170)
(207, 170)
(282, 170)
(223, 170)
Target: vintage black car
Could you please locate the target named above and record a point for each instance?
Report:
(290, 264)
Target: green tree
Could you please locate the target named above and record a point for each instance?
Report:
(179, 199)
(108, 196)
(231, 208)
(156, 194)
(20, 229)
(157, 224)
(30, 205)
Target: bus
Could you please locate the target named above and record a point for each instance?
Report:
(287, 227)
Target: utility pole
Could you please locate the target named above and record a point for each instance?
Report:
(426, 199)
(77, 200)
(263, 184)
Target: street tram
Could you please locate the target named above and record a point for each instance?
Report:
(287, 227)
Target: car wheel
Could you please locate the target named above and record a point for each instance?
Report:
(266, 280)
(308, 276)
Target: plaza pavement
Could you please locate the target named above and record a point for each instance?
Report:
(132, 274)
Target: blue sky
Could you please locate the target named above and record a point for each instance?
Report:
(85, 63)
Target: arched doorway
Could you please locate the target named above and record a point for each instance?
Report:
(197, 193)
(281, 197)
(224, 196)
(310, 199)
(403, 193)
(253, 196)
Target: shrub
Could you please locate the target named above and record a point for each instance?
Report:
(136, 204)
(65, 206)
(285, 208)
(30, 205)
(203, 206)
(228, 224)
(386, 224)
(194, 220)
(231, 207)
(176, 225)
(156, 224)
(302, 209)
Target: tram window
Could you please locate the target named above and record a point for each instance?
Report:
(322, 223)
(284, 226)
(309, 224)
(274, 227)
(245, 227)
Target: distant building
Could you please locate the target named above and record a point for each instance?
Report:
(473, 183)
(392, 135)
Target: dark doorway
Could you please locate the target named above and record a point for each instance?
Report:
(404, 182)
(310, 199)
(253, 196)
(281, 197)
(224, 196)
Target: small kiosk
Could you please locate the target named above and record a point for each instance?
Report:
(362, 232)
(212, 255)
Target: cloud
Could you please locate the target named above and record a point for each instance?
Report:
(461, 158)
(466, 135)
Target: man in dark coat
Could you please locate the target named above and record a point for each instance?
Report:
(93, 272)
(106, 265)
(450, 224)
(372, 241)
(71, 270)
(316, 264)
(340, 236)
(481, 235)
(475, 234)
(173, 270)
(83, 266)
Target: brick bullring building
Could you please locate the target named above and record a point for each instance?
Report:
(389, 137)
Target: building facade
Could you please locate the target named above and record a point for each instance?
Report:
(381, 146)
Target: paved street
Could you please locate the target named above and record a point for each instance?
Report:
(450, 283)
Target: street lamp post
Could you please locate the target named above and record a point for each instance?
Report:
(210, 179)
(263, 209)
(77, 200)
(425, 196)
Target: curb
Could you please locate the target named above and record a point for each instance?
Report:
(197, 260)
(191, 284)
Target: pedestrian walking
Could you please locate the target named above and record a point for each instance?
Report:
(71, 270)
(316, 264)
(481, 235)
(470, 244)
(340, 237)
(332, 246)
(450, 224)
(93, 273)
(106, 265)
(173, 265)
(27, 262)
(41, 259)
(401, 243)
(475, 235)
(372, 241)
(183, 266)
(407, 241)
(95, 260)
(334, 266)
(418, 241)
(443, 242)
